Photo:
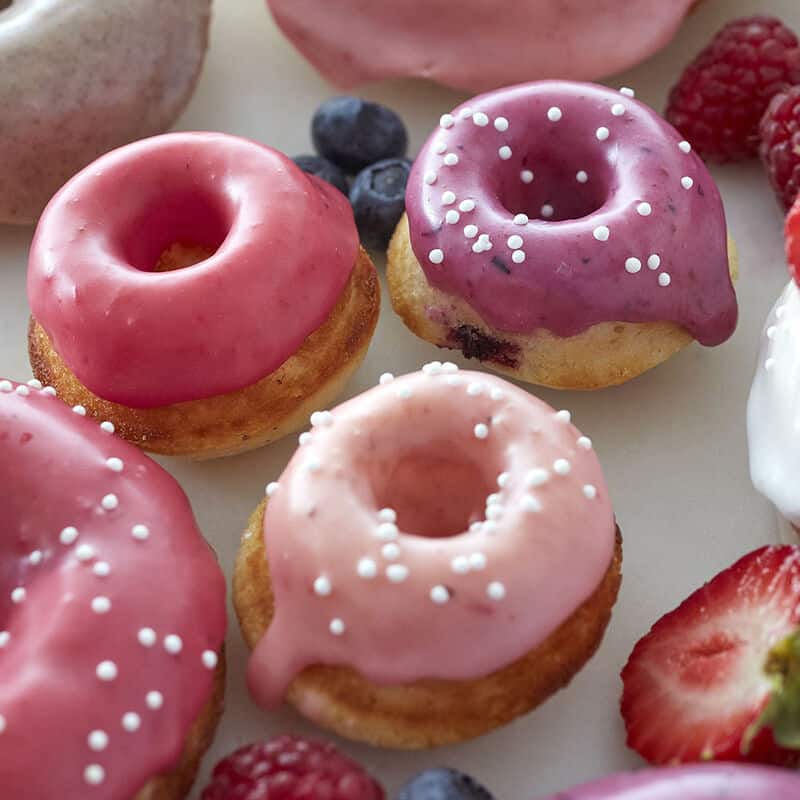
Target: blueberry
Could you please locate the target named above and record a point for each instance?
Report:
(378, 197)
(443, 784)
(354, 133)
(322, 168)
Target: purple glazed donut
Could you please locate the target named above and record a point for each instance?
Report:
(546, 209)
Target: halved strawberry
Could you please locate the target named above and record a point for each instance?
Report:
(719, 677)
(792, 232)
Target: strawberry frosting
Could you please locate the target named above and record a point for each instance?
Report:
(112, 607)
(475, 44)
(285, 244)
(437, 510)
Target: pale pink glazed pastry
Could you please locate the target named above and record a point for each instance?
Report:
(112, 609)
(476, 44)
(437, 510)
(82, 77)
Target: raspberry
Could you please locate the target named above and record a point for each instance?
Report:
(719, 100)
(780, 144)
(793, 240)
(290, 768)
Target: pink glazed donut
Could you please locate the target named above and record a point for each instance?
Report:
(476, 44)
(78, 78)
(263, 324)
(437, 510)
(562, 233)
(112, 613)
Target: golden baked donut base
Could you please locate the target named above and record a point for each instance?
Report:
(263, 412)
(426, 713)
(606, 354)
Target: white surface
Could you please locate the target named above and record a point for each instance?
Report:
(672, 442)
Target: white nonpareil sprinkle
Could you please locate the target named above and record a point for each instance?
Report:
(436, 256)
(514, 241)
(430, 178)
(496, 393)
(312, 465)
(131, 722)
(34, 383)
(480, 119)
(561, 466)
(521, 219)
(405, 392)
(106, 671)
(563, 415)
(653, 261)
(140, 532)
(450, 159)
(79, 410)
(84, 552)
(173, 644)
(452, 217)
(685, 147)
(154, 700)
(531, 504)
(115, 464)
(536, 477)
(97, 741)
(687, 182)
(504, 152)
(465, 112)
(633, 265)
(494, 498)
(439, 594)
(470, 231)
(109, 502)
(5, 638)
(589, 491)
(101, 605)
(304, 438)
(209, 659)
(147, 637)
(495, 511)
(6, 386)
(769, 364)
(387, 377)
(366, 568)
(585, 442)
(107, 427)
(68, 535)
(496, 591)
(664, 279)
(644, 209)
(23, 390)
(51, 390)
(581, 176)
(94, 774)
(602, 133)
(547, 210)
(387, 515)
(477, 561)
(396, 573)
(501, 124)
(601, 233)
(618, 109)
(481, 430)
(502, 479)
(391, 552)
(518, 256)
(466, 206)
(554, 114)
(321, 419)
(102, 569)
(474, 389)
(18, 595)
(460, 565)
(627, 92)
(448, 198)
(336, 627)
(322, 586)
(447, 120)
(387, 531)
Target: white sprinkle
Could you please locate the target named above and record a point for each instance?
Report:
(366, 568)
(439, 594)
(49, 390)
(209, 659)
(496, 591)
(2, 723)
(618, 109)
(481, 430)
(771, 331)
(449, 367)
(585, 442)
(687, 182)
(387, 531)
(633, 265)
(68, 535)
(460, 565)
(140, 532)
(654, 261)
(496, 393)
(450, 160)
(477, 561)
(405, 392)
(23, 391)
(536, 477)
(5, 638)
(769, 364)
(304, 438)
(131, 722)
(563, 415)
(452, 217)
(114, 464)
(35, 384)
(79, 410)
(322, 586)
(109, 502)
(467, 205)
(494, 498)
(94, 774)
(436, 256)
(589, 491)
(561, 466)
(336, 627)
(474, 389)
(430, 178)
(432, 368)
(391, 552)
(102, 569)
(521, 219)
(107, 427)
(495, 511)
(312, 465)
(554, 114)
(97, 741)
(627, 92)
(602, 133)
(321, 419)
(531, 504)
(475, 527)
(6, 386)
(501, 124)
(440, 148)
(601, 233)
(147, 637)
(387, 515)
(518, 256)
(107, 671)
(664, 279)
(173, 644)
(480, 119)
(387, 377)
(465, 112)
(101, 605)
(470, 231)
(547, 210)
(504, 152)
(685, 147)
(502, 479)
(154, 700)
(18, 595)
(448, 198)
(447, 121)
(489, 528)
(581, 176)
(396, 573)
(514, 242)
(84, 552)
(644, 209)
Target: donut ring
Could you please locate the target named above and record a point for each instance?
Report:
(94, 664)
(83, 77)
(540, 213)
(222, 325)
(360, 548)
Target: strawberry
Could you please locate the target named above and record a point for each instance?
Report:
(792, 232)
(719, 677)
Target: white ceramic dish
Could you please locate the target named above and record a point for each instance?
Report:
(672, 442)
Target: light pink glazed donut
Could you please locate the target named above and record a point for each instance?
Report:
(78, 78)
(440, 509)
(476, 44)
(112, 609)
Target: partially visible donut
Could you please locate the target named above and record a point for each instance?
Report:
(112, 613)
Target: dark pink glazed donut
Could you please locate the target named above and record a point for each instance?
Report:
(559, 205)
(112, 607)
(285, 247)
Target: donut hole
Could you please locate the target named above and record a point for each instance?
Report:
(176, 231)
(435, 492)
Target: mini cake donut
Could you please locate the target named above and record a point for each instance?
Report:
(79, 78)
(564, 234)
(112, 613)
(271, 313)
(481, 45)
(435, 511)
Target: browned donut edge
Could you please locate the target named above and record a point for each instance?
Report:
(427, 713)
(250, 417)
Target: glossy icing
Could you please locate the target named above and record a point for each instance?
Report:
(693, 782)
(560, 205)
(112, 607)
(773, 409)
(287, 244)
(80, 78)
(476, 45)
(440, 509)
